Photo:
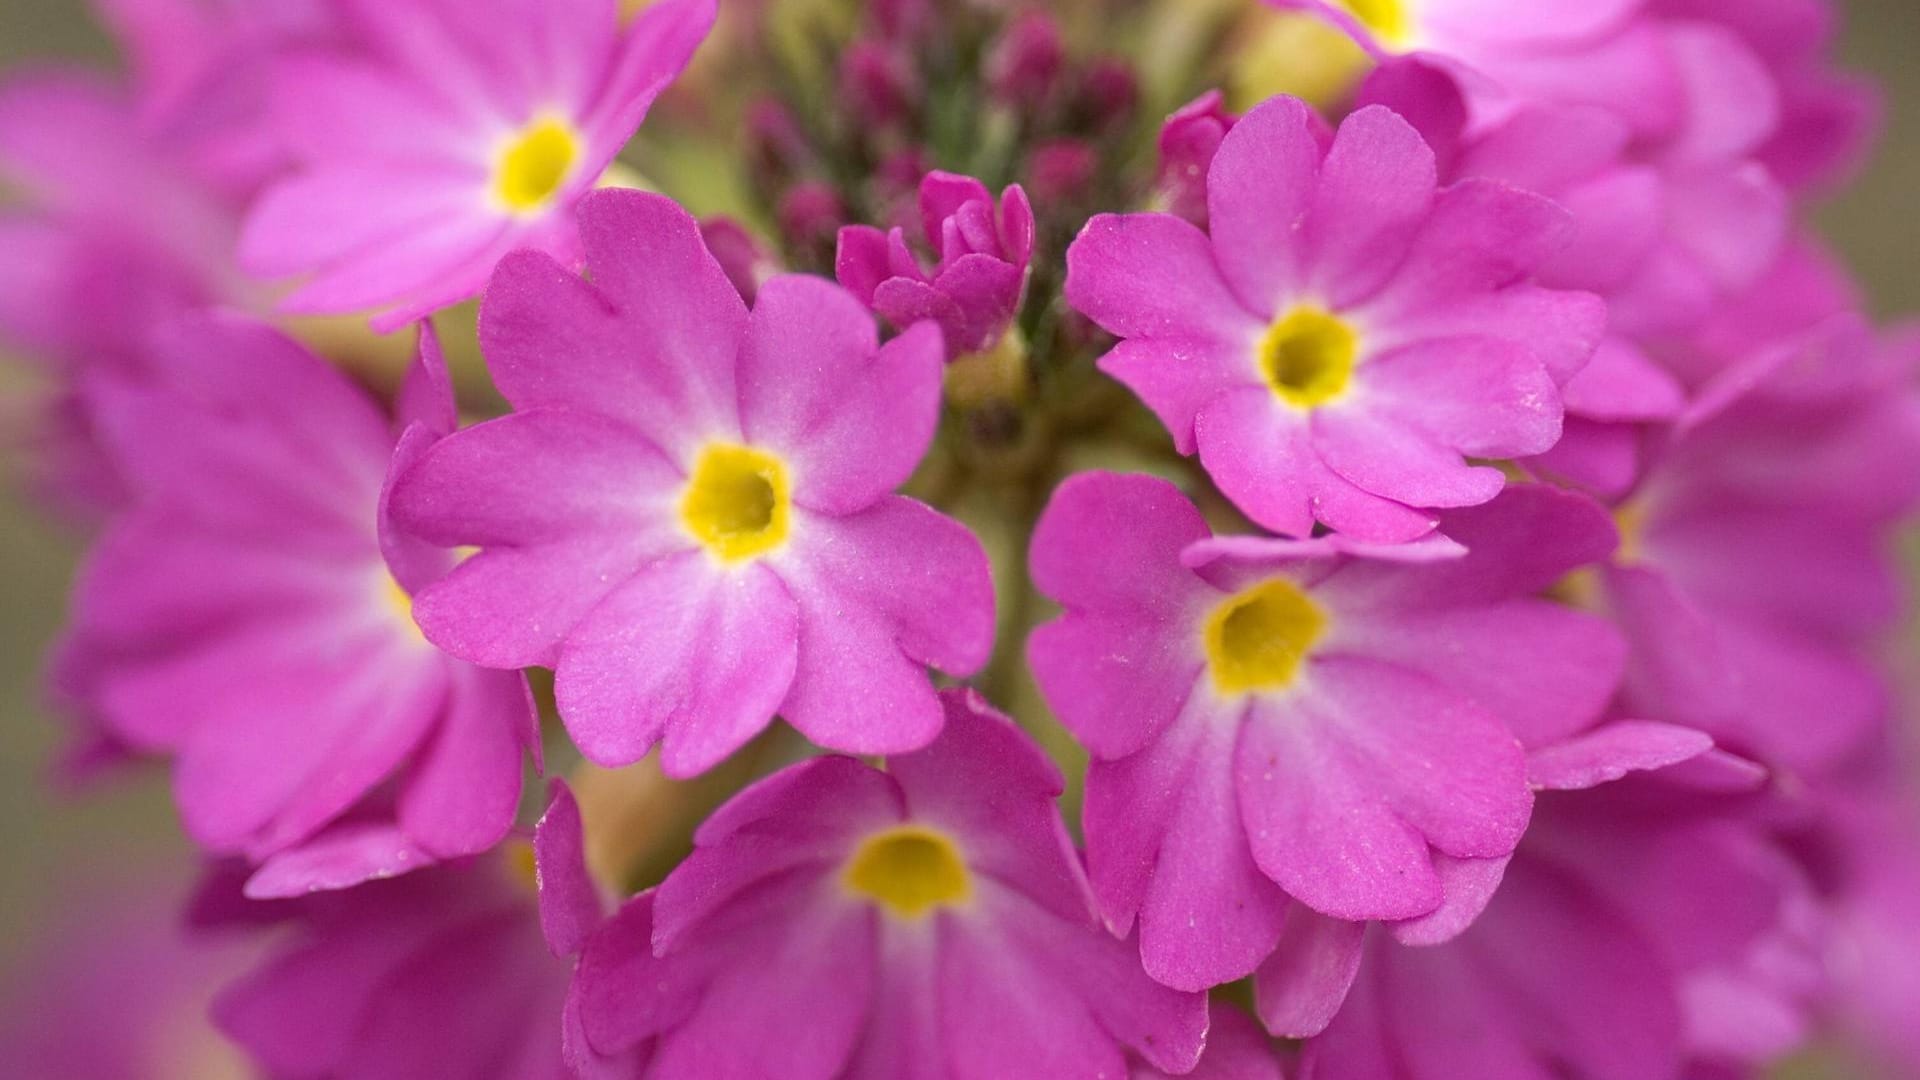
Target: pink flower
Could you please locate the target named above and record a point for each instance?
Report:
(689, 515)
(932, 919)
(1827, 119)
(459, 133)
(202, 70)
(1682, 916)
(440, 973)
(974, 290)
(90, 264)
(114, 985)
(1348, 335)
(251, 616)
(1320, 719)
(1757, 570)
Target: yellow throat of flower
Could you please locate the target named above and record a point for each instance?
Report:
(738, 502)
(535, 164)
(1390, 20)
(1257, 638)
(1307, 356)
(909, 870)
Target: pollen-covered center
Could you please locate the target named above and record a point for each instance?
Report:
(1258, 637)
(535, 164)
(1308, 355)
(1389, 20)
(737, 502)
(909, 870)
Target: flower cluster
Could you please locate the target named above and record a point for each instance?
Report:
(934, 558)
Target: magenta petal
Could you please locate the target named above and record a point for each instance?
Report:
(1383, 456)
(1302, 985)
(860, 261)
(627, 995)
(745, 1023)
(539, 477)
(1111, 542)
(1611, 751)
(883, 595)
(1343, 792)
(1259, 188)
(651, 341)
(238, 783)
(511, 607)
(1116, 683)
(1373, 194)
(1034, 1016)
(1262, 458)
(1478, 397)
(687, 654)
(570, 905)
(1236, 1049)
(1165, 844)
(859, 421)
(464, 787)
(1153, 276)
(1469, 885)
(1545, 670)
(1481, 235)
(1177, 377)
(654, 50)
(342, 857)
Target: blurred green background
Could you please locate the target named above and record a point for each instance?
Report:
(48, 848)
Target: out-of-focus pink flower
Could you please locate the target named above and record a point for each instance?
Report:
(1347, 334)
(202, 72)
(456, 133)
(983, 249)
(1321, 719)
(1028, 61)
(1757, 569)
(690, 514)
(877, 83)
(1674, 905)
(1828, 119)
(441, 973)
(112, 233)
(932, 919)
(115, 985)
(251, 615)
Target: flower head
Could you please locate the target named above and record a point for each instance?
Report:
(869, 923)
(252, 616)
(455, 135)
(1347, 336)
(689, 514)
(1317, 719)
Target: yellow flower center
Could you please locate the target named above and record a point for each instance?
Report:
(1308, 356)
(1257, 638)
(1389, 20)
(909, 870)
(400, 602)
(535, 164)
(737, 502)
